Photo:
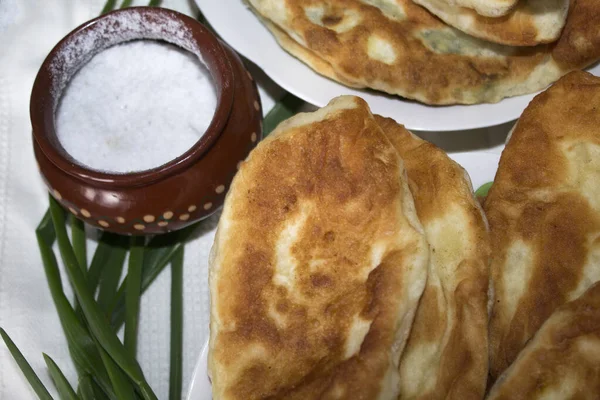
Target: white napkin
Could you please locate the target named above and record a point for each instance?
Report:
(28, 31)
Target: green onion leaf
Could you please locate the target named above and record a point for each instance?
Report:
(81, 346)
(126, 3)
(484, 189)
(288, 106)
(157, 255)
(132, 295)
(201, 18)
(65, 391)
(46, 229)
(98, 392)
(109, 282)
(79, 247)
(96, 321)
(32, 378)
(111, 251)
(121, 384)
(108, 6)
(175, 382)
(86, 388)
(154, 3)
(79, 243)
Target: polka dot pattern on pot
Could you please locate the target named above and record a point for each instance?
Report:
(162, 221)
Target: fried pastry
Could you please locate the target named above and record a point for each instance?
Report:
(544, 214)
(318, 263)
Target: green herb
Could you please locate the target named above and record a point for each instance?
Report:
(132, 295)
(78, 239)
(111, 4)
(98, 392)
(45, 229)
(111, 251)
(65, 391)
(120, 383)
(32, 378)
(176, 325)
(93, 314)
(126, 3)
(108, 6)
(288, 106)
(79, 247)
(484, 189)
(86, 388)
(109, 281)
(81, 346)
(157, 255)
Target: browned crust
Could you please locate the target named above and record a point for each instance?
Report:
(579, 43)
(533, 201)
(563, 356)
(419, 72)
(516, 28)
(458, 326)
(311, 59)
(343, 168)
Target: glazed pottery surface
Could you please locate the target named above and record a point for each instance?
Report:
(178, 193)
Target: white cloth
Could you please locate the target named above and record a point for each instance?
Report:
(28, 30)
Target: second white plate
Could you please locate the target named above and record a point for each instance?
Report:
(239, 27)
(200, 385)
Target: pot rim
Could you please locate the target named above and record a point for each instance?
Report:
(43, 101)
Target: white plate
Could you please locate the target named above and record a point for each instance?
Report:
(481, 166)
(239, 27)
(200, 384)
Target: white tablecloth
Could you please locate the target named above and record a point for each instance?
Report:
(28, 30)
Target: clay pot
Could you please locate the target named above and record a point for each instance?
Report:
(176, 194)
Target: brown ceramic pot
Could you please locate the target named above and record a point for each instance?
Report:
(178, 193)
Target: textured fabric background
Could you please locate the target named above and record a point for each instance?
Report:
(28, 31)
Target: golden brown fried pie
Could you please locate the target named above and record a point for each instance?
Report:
(400, 48)
(309, 57)
(530, 23)
(562, 361)
(488, 8)
(544, 213)
(579, 43)
(446, 356)
(318, 264)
